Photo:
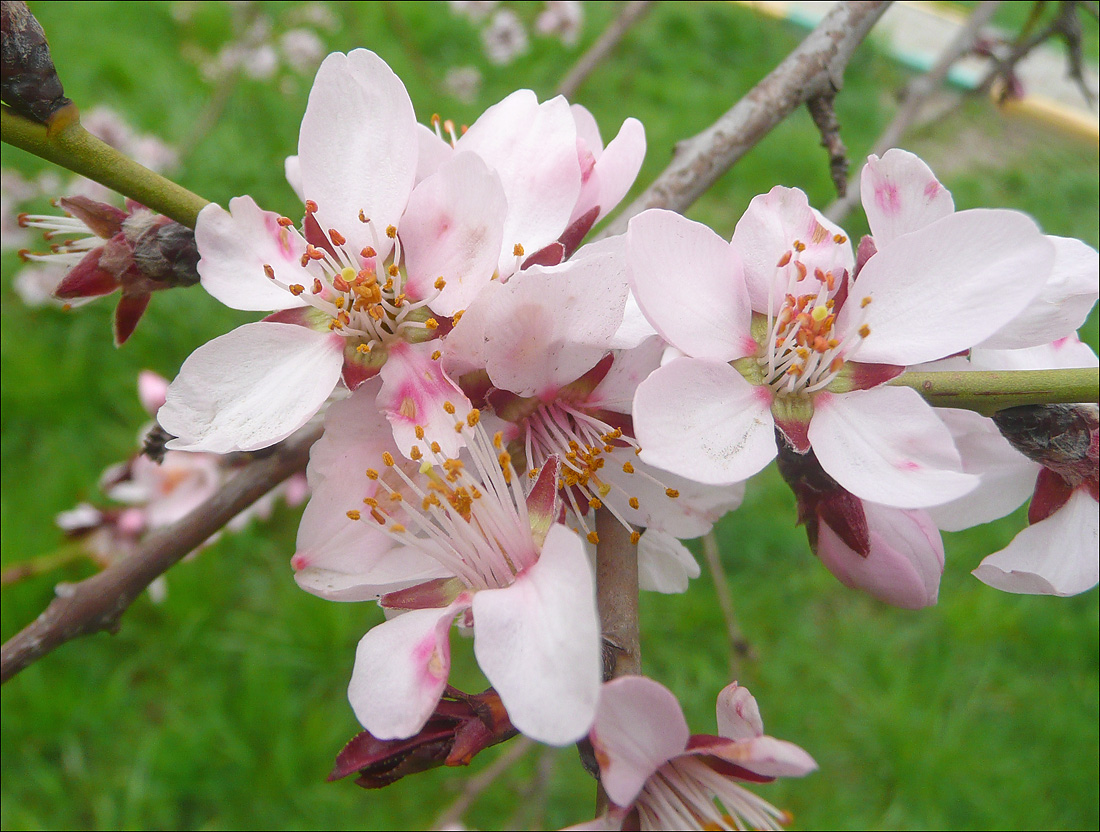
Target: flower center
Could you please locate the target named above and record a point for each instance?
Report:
(584, 444)
(359, 295)
(801, 351)
(473, 522)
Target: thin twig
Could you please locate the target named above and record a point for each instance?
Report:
(98, 602)
(41, 564)
(823, 112)
(483, 780)
(739, 645)
(815, 68)
(916, 95)
(632, 12)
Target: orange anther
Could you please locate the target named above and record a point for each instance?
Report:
(337, 238)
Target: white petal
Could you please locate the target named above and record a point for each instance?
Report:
(948, 286)
(616, 169)
(639, 727)
(888, 446)
(689, 283)
(703, 421)
(434, 151)
(293, 169)
(235, 246)
(452, 229)
(1007, 476)
(358, 145)
(1056, 556)
(664, 563)
(401, 669)
(738, 714)
(901, 194)
(1063, 304)
(250, 388)
(538, 642)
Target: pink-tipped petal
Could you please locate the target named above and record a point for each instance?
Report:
(901, 194)
(152, 390)
(946, 287)
(452, 230)
(1056, 556)
(689, 284)
(250, 388)
(433, 152)
(235, 245)
(358, 145)
(401, 669)
(416, 392)
(888, 446)
(538, 642)
(533, 148)
(615, 170)
(703, 421)
(763, 756)
(639, 727)
(1063, 303)
(904, 565)
(738, 714)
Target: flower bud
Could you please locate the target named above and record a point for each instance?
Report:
(29, 84)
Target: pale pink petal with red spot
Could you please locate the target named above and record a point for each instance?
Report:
(1056, 556)
(704, 421)
(452, 230)
(252, 387)
(358, 115)
(689, 283)
(887, 445)
(947, 286)
(639, 727)
(401, 669)
(738, 714)
(235, 246)
(615, 170)
(538, 642)
(901, 194)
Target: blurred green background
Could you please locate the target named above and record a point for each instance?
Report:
(224, 706)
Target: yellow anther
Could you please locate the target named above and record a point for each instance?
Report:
(593, 537)
(864, 331)
(391, 231)
(370, 501)
(498, 440)
(633, 501)
(672, 492)
(458, 316)
(270, 272)
(387, 458)
(296, 288)
(594, 502)
(363, 348)
(338, 303)
(393, 271)
(473, 417)
(839, 239)
(450, 408)
(372, 474)
(431, 323)
(517, 250)
(419, 431)
(436, 355)
(799, 246)
(604, 489)
(635, 537)
(440, 282)
(397, 528)
(414, 453)
(353, 515)
(533, 473)
(435, 448)
(628, 468)
(863, 303)
(396, 497)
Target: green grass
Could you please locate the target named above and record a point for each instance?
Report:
(224, 706)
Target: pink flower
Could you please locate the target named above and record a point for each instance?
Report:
(358, 288)
(657, 776)
(779, 339)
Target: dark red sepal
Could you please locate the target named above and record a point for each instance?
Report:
(316, 236)
(1051, 493)
(131, 306)
(572, 236)
(865, 376)
(866, 250)
(87, 279)
(104, 220)
(549, 255)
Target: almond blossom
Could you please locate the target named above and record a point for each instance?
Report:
(783, 339)
(658, 776)
(521, 580)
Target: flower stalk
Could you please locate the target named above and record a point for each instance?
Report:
(987, 391)
(66, 143)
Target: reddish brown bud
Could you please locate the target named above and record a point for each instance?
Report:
(28, 80)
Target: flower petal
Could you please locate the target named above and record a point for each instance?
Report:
(533, 148)
(738, 714)
(1063, 304)
(948, 286)
(888, 446)
(905, 561)
(672, 257)
(235, 245)
(703, 421)
(664, 563)
(358, 145)
(639, 727)
(1056, 556)
(538, 642)
(251, 387)
(901, 194)
(452, 229)
(615, 170)
(401, 669)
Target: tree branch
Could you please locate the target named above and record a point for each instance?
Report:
(739, 645)
(98, 603)
(987, 391)
(814, 69)
(916, 94)
(617, 597)
(632, 12)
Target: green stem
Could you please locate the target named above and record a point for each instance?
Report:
(22, 570)
(66, 143)
(987, 391)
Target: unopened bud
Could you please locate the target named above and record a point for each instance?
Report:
(1061, 437)
(28, 80)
